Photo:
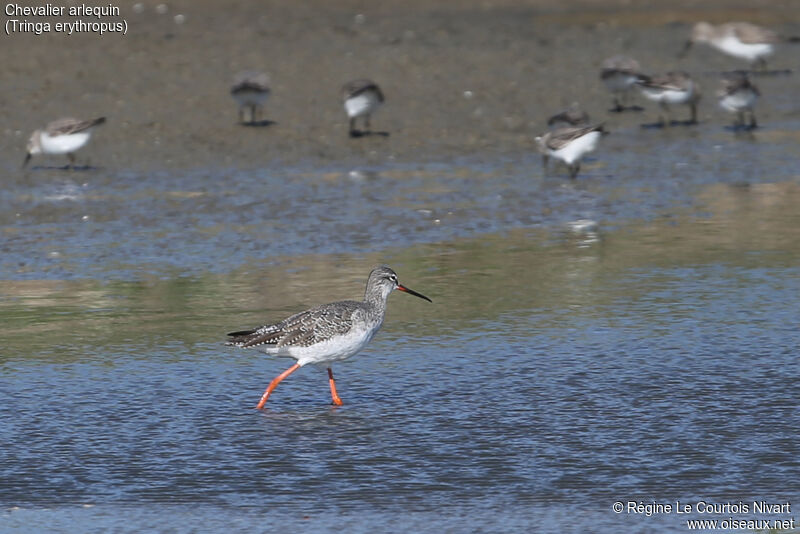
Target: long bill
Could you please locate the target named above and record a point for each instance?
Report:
(27, 159)
(412, 292)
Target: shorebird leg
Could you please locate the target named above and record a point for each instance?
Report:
(545, 163)
(367, 127)
(574, 170)
(272, 385)
(71, 157)
(693, 109)
(663, 117)
(753, 123)
(334, 396)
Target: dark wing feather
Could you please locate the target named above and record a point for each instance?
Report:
(561, 137)
(357, 87)
(302, 329)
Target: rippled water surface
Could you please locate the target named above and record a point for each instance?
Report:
(558, 370)
(631, 335)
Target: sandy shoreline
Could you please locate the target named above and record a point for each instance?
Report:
(460, 77)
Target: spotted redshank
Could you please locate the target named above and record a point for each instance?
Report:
(62, 136)
(325, 334)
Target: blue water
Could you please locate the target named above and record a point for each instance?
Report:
(646, 354)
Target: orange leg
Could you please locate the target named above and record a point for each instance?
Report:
(272, 385)
(335, 396)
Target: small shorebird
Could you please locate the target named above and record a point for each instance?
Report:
(738, 39)
(361, 99)
(619, 74)
(325, 334)
(738, 95)
(250, 90)
(62, 136)
(569, 144)
(671, 88)
(574, 115)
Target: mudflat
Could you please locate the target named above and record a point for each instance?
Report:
(460, 77)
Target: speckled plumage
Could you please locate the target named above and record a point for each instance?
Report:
(327, 333)
(305, 328)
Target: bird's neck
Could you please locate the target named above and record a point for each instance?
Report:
(376, 300)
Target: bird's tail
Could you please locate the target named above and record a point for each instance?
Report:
(241, 337)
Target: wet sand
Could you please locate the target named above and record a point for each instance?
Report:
(461, 78)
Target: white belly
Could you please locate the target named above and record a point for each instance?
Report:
(619, 82)
(251, 98)
(577, 149)
(335, 349)
(668, 96)
(63, 144)
(739, 101)
(749, 51)
(362, 104)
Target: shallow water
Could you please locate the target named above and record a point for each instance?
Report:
(631, 335)
(558, 370)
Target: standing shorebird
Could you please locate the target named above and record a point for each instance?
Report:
(325, 334)
(62, 136)
(619, 74)
(738, 39)
(738, 95)
(569, 145)
(250, 90)
(669, 89)
(361, 99)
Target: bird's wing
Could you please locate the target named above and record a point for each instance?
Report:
(69, 126)
(752, 34)
(563, 136)
(302, 329)
(356, 87)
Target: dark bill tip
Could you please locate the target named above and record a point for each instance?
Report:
(412, 292)
(27, 159)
